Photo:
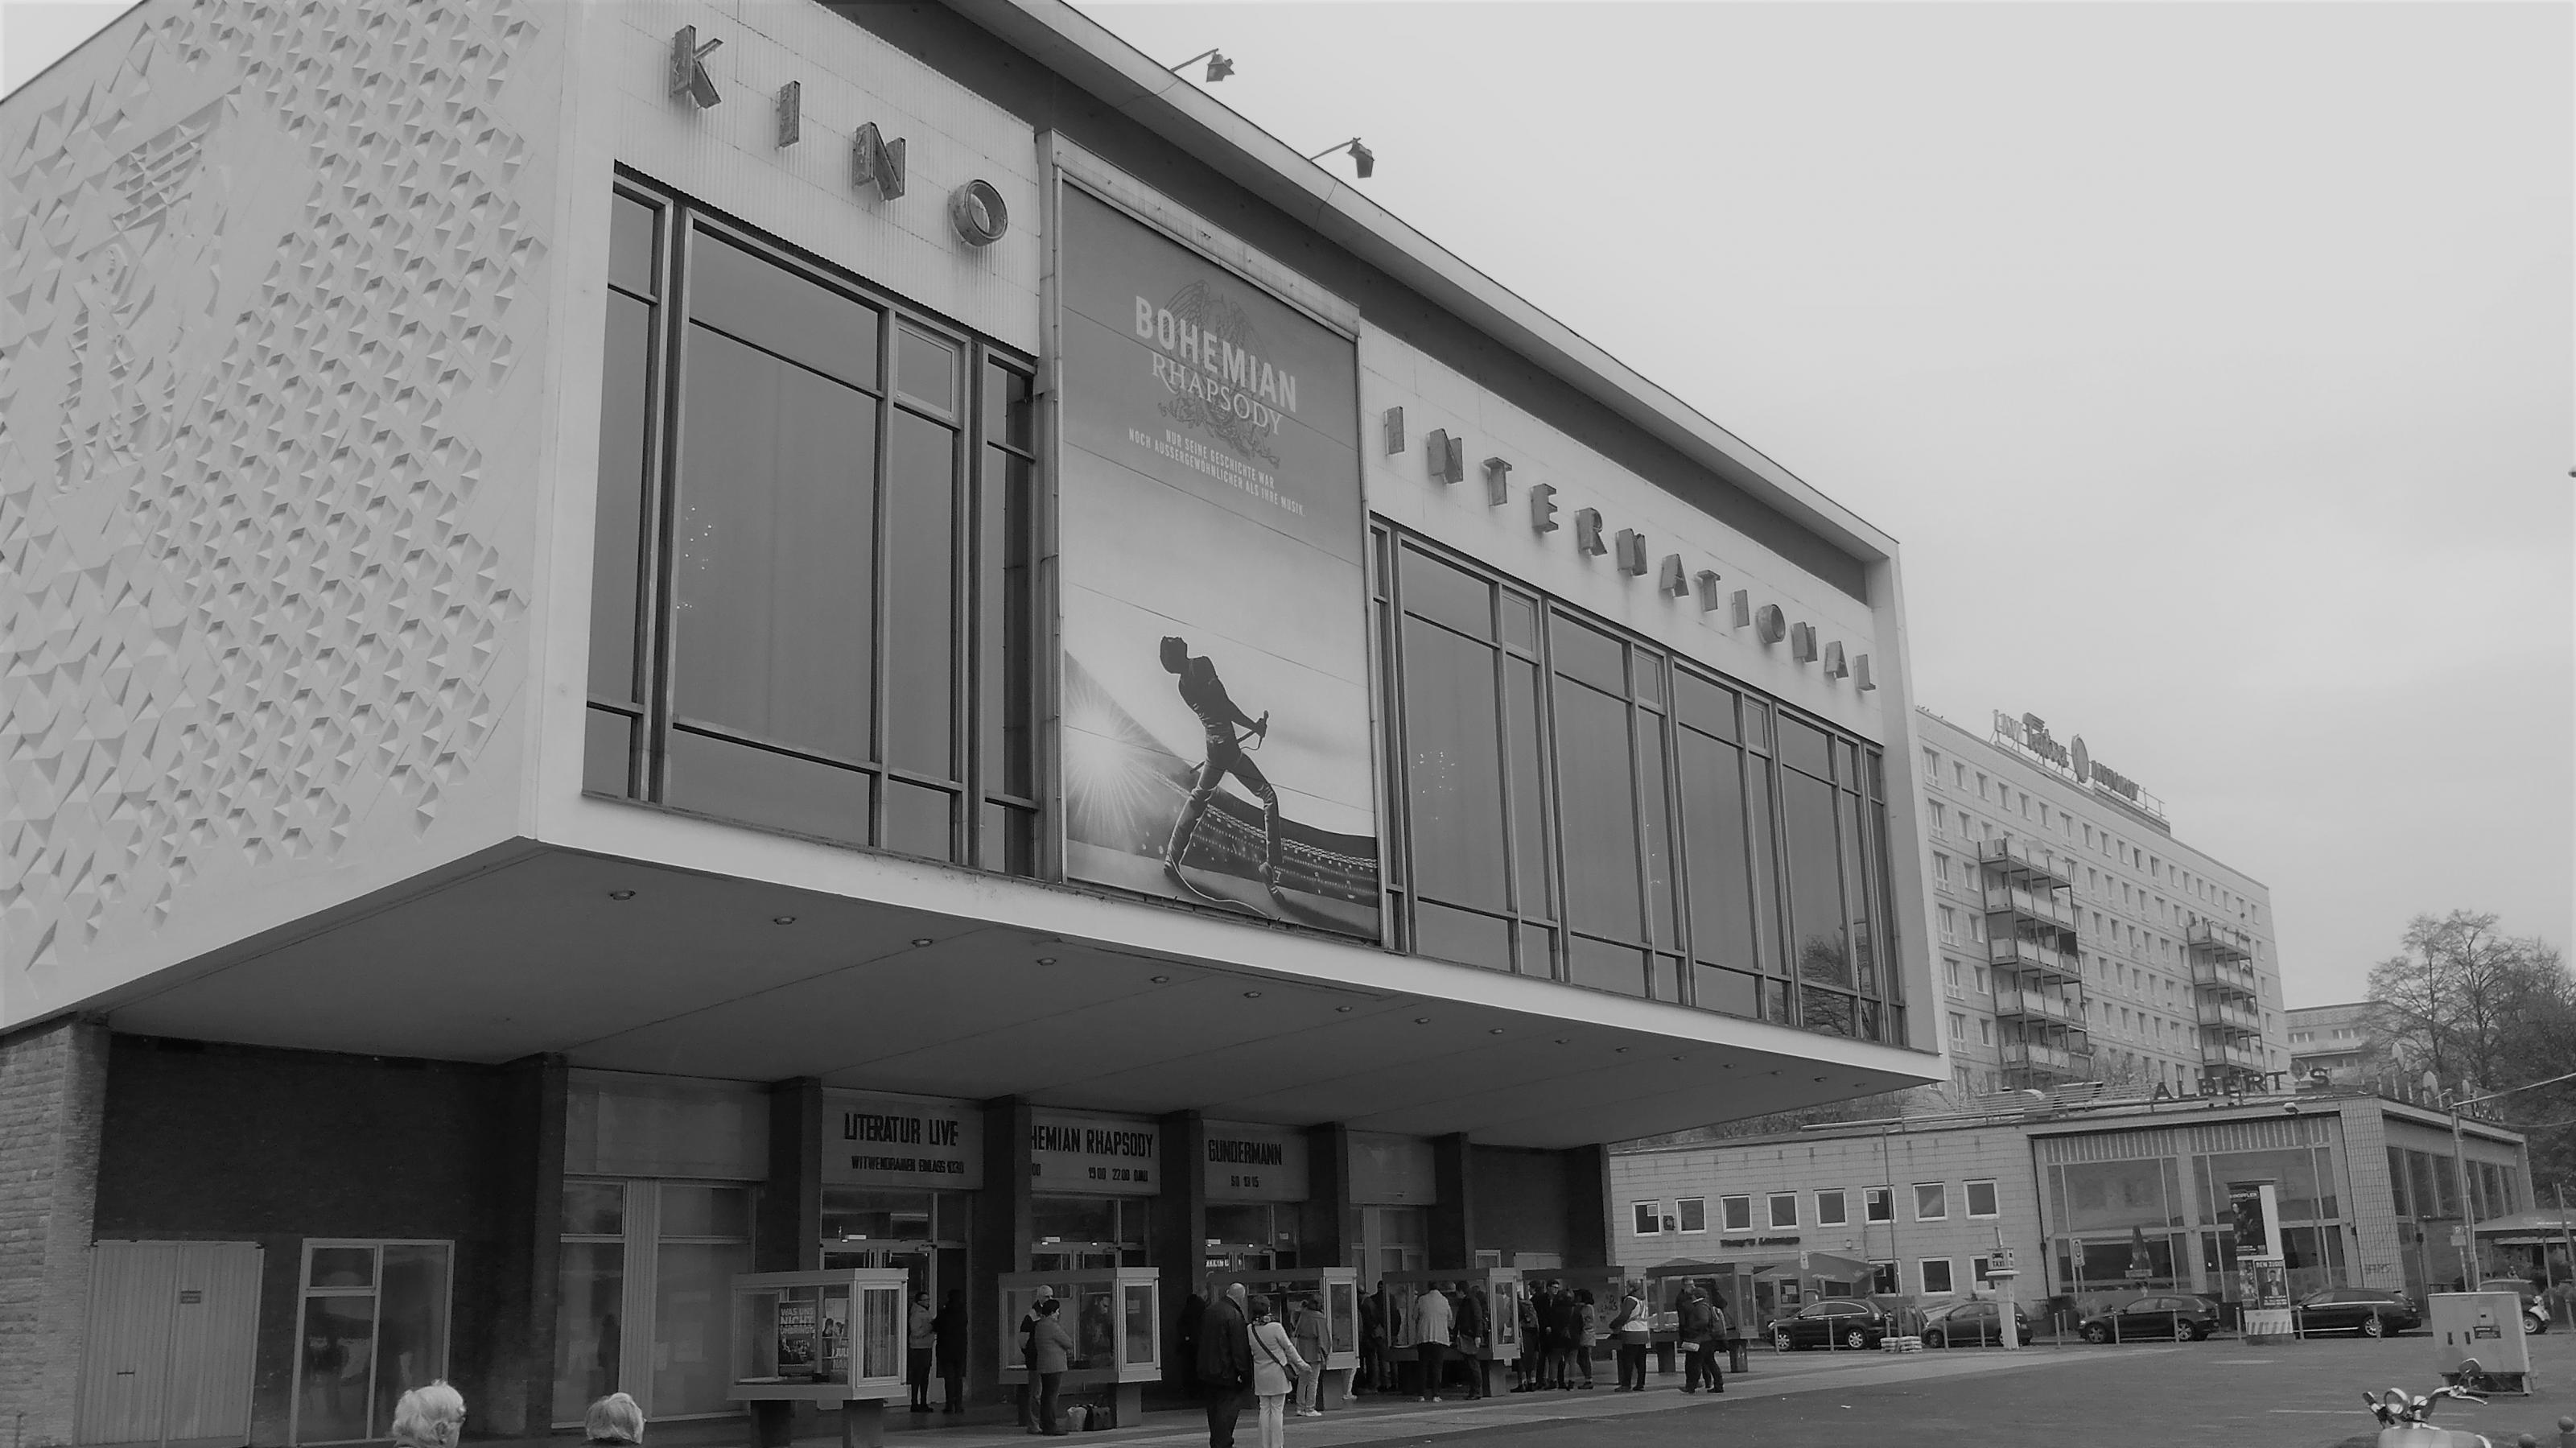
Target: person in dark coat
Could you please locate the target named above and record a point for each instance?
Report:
(1193, 1312)
(948, 1344)
(1225, 1362)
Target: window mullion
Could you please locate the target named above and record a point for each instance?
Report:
(880, 467)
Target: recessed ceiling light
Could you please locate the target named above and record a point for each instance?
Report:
(1346, 1010)
(1422, 1020)
(621, 894)
(782, 919)
(1493, 1030)
(1252, 995)
(1820, 1080)
(1160, 979)
(921, 940)
(1046, 960)
(1677, 1058)
(1561, 1040)
(1618, 1050)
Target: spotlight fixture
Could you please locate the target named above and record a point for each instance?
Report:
(1345, 1010)
(1160, 979)
(621, 894)
(1618, 1050)
(1046, 960)
(1493, 1030)
(1422, 1020)
(1252, 995)
(1563, 1040)
(1361, 156)
(922, 940)
(1218, 67)
(782, 919)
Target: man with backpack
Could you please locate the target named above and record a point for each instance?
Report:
(1702, 1329)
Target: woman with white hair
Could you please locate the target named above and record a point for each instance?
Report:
(614, 1419)
(430, 1417)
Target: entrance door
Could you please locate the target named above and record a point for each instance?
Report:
(919, 1261)
(172, 1326)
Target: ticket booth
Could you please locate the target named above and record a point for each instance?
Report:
(1115, 1317)
(1496, 1292)
(1332, 1291)
(834, 1339)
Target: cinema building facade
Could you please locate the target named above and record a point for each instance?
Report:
(645, 643)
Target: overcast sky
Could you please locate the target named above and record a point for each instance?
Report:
(2211, 362)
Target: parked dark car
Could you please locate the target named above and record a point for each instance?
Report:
(1831, 1322)
(1978, 1321)
(2369, 1311)
(2185, 1319)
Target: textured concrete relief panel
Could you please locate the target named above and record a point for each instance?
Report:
(263, 271)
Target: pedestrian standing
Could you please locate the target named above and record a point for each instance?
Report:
(1696, 1324)
(949, 1344)
(1587, 1332)
(1225, 1362)
(1377, 1365)
(1533, 1363)
(1306, 1325)
(1565, 1336)
(1029, 1359)
(1050, 1355)
(1276, 1369)
(1629, 1327)
(920, 1341)
(1431, 1326)
(1467, 1337)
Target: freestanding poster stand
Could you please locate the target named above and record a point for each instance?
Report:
(828, 1338)
(1335, 1292)
(1497, 1292)
(1115, 1316)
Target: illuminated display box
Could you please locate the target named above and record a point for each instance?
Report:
(1113, 1314)
(1333, 1291)
(820, 1337)
(1497, 1292)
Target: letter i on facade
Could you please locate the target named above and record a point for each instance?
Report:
(791, 113)
(689, 68)
(1395, 432)
(1498, 482)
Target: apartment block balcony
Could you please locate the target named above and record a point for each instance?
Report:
(2039, 960)
(2209, 940)
(2230, 1055)
(2039, 907)
(2036, 1006)
(2037, 1057)
(2224, 978)
(2229, 1017)
(2011, 862)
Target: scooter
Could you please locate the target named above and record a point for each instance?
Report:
(2406, 1421)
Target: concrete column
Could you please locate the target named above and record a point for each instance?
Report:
(1001, 1239)
(1587, 1205)
(789, 1237)
(1180, 1233)
(53, 1110)
(1452, 1242)
(521, 1390)
(1329, 1228)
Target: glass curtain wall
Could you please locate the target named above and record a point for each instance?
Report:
(1573, 803)
(373, 1326)
(642, 1302)
(811, 604)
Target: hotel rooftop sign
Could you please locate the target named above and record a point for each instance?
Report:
(2028, 736)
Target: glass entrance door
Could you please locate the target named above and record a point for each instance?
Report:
(373, 1323)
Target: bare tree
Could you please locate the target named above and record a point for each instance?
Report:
(2447, 998)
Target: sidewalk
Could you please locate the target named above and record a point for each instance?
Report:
(1380, 1420)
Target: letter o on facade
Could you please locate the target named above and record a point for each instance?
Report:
(978, 213)
(1770, 624)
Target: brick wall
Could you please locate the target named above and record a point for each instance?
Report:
(53, 1083)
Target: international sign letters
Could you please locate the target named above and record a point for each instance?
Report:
(1216, 720)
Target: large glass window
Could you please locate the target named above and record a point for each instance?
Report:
(373, 1325)
(811, 605)
(1572, 802)
(641, 1302)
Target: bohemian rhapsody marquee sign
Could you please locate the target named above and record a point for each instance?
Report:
(1216, 719)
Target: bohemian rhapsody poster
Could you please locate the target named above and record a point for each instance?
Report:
(1213, 543)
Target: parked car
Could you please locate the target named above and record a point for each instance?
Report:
(2185, 1319)
(1831, 1322)
(2535, 1316)
(1978, 1320)
(2369, 1311)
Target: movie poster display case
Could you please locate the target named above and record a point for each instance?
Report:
(1497, 1292)
(1333, 1291)
(818, 1337)
(1114, 1314)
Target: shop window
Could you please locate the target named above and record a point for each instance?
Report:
(1784, 1209)
(372, 1323)
(1936, 1276)
(811, 606)
(1882, 1279)
(1931, 1201)
(1878, 1204)
(642, 1301)
(1650, 1218)
(1830, 1211)
(1694, 1214)
(1735, 1214)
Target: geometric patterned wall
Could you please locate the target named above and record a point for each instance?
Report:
(258, 271)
